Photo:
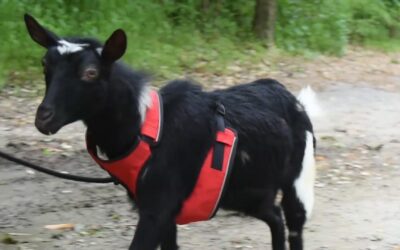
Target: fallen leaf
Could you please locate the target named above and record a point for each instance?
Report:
(328, 138)
(65, 146)
(374, 148)
(60, 227)
(340, 130)
(29, 171)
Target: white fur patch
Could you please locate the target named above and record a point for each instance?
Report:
(101, 154)
(65, 47)
(308, 98)
(304, 184)
(144, 102)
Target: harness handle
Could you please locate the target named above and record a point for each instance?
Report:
(54, 173)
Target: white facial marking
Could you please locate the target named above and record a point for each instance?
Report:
(244, 156)
(304, 184)
(144, 102)
(65, 47)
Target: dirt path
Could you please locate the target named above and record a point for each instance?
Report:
(357, 190)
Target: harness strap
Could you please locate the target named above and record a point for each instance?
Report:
(127, 170)
(203, 203)
(218, 157)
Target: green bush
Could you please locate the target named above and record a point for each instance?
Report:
(328, 26)
(374, 20)
(166, 37)
(170, 37)
(312, 25)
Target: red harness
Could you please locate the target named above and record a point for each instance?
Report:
(202, 204)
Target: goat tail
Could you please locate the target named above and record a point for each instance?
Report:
(308, 98)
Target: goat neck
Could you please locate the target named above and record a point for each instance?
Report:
(116, 127)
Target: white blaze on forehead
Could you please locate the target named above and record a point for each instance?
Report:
(65, 47)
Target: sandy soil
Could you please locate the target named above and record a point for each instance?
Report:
(357, 192)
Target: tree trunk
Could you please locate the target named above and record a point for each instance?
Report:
(264, 20)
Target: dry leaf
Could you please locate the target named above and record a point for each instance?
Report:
(60, 227)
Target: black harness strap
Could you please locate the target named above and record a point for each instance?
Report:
(218, 157)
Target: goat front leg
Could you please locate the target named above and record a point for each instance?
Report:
(169, 241)
(153, 230)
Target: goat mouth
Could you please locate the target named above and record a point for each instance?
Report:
(47, 127)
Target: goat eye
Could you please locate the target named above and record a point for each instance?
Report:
(90, 74)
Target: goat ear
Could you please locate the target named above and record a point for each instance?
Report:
(38, 33)
(115, 46)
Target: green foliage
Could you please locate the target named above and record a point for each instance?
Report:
(315, 25)
(374, 20)
(169, 37)
(8, 240)
(329, 25)
(166, 37)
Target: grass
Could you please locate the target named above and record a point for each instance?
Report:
(388, 46)
(173, 37)
(155, 43)
(8, 240)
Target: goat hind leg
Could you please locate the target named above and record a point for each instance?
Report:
(275, 223)
(272, 215)
(295, 216)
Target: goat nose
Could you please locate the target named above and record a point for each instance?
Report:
(45, 113)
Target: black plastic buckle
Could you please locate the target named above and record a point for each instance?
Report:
(115, 180)
(218, 156)
(220, 109)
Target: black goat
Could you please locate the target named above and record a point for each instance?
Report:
(275, 148)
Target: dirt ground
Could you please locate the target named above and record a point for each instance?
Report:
(357, 189)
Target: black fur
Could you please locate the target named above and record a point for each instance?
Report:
(271, 131)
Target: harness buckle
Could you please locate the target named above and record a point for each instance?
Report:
(115, 180)
(220, 109)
